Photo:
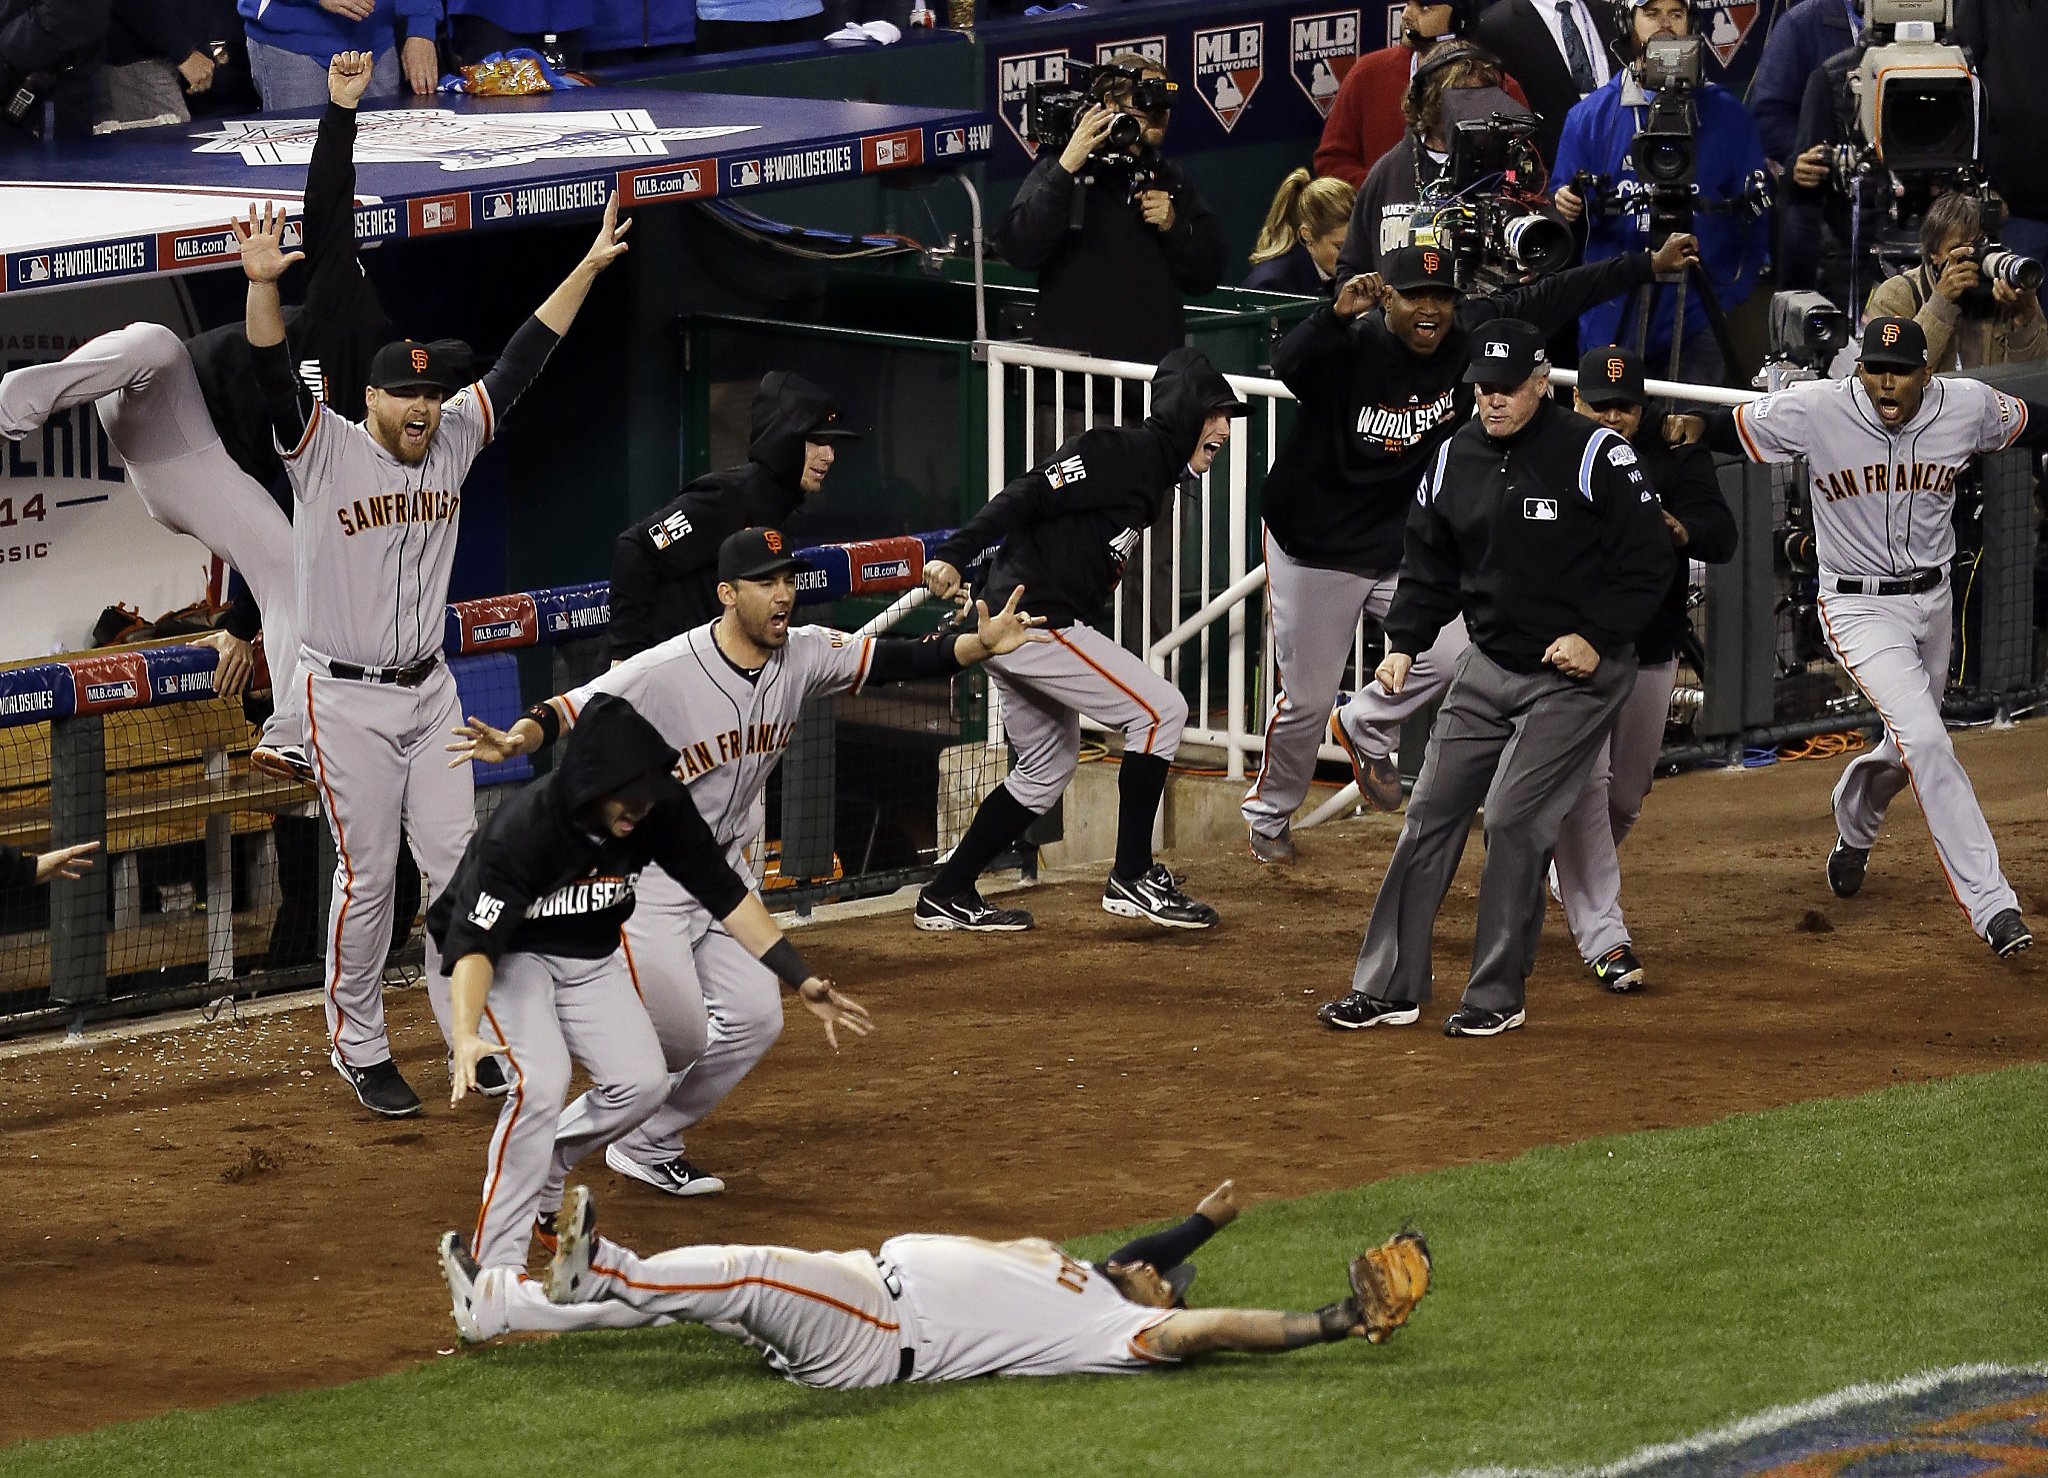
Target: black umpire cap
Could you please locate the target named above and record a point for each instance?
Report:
(407, 365)
(1611, 376)
(1893, 343)
(756, 554)
(1411, 269)
(1506, 352)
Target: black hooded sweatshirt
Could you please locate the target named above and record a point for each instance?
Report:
(1067, 526)
(536, 880)
(1373, 413)
(665, 567)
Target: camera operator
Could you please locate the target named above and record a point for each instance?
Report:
(1377, 374)
(2005, 40)
(1119, 238)
(1380, 216)
(1968, 322)
(1805, 36)
(1818, 222)
(1734, 245)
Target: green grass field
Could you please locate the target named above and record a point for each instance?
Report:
(1588, 1300)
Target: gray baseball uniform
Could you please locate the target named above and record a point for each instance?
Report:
(715, 1007)
(1883, 507)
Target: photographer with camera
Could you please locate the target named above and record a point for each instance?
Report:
(1970, 320)
(1703, 158)
(1118, 235)
(1377, 374)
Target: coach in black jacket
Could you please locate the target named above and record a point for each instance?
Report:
(1540, 526)
(528, 930)
(665, 567)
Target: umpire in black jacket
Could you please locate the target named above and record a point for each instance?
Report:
(1540, 526)
(665, 567)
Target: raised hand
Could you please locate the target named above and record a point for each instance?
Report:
(1009, 628)
(264, 258)
(611, 239)
(348, 77)
(1220, 1205)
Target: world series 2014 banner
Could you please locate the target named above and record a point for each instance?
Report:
(1261, 74)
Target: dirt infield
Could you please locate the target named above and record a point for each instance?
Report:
(199, 1216)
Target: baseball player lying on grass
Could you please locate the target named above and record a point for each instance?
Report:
(531, 926)
(934, 1308)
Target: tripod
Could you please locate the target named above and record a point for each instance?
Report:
(1691, 277)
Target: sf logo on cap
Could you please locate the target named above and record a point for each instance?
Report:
(1430, 261)
(419, 361)
(1890, 334)
(1614, 369)
(773, 539)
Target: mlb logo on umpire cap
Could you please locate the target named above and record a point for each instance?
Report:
(1507, 352)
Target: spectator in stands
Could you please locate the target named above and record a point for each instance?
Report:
(554, 28)
(25, 869)
(1734, 243)
(290, 46)
(637, 25)
(735, 25)
(1968, 322)
(2005, 38)
(153, 59)
(1560, 50)
(1366, 119)
(1119, 240)
(1458, 81)
(1804, 37)
(47, 51)
(1298, 246)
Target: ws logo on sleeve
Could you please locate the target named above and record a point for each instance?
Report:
(1060, 474)
(487, 912)
(1229, 61)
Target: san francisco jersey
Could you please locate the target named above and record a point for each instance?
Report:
(729, 731)
(374, 538)
(1016, 1308)
(1883, 501)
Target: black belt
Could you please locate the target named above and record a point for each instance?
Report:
(1912, 584)
(409, 676)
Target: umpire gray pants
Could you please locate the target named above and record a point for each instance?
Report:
(1519, 745)
(1588, 860)
(1315, 614)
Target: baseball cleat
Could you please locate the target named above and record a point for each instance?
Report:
(286, 761)
(379, 1088)
(2008, 934)
(969, 912)
(1619, 970)
(544, 1223)
(1471, 1021)
(569, 1268)
(461, 1271)
(1361, 1010)
(1379, 780)
(491, 1078)
(1277, 849)
(1157, 897)
(677, 1177)
(1845, 868)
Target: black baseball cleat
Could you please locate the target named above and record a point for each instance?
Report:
(491, 1081)
(1471, 1021)
(1619, 970)
(1378, 778)
(379, 1088)
(968, 912)
(2008, 934)
(1361, 1010)
(1279, 850)
(1157, 897)
(1845, 868)
(676, 1177)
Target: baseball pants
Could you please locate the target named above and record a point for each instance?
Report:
(1315, 616)
(825, 1318)
(148, 398)
(716, 1011)
(1047, 686)
(1588, 867)
(1519, 745)
(547, 1010)
(1896, 648)
(379, 763)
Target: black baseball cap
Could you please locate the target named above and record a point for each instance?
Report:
(1611, 376)
(442, 365)
(1506, 352)
(829, 427)
(1893, 343)
(755, 554)
(1412, 268)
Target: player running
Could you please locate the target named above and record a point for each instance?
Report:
(932, 1308)
(1884, 448)
(726, 696)
(379, 505)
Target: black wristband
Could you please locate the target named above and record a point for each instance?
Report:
(1339, 1319)
(788, 965)
(550, 722)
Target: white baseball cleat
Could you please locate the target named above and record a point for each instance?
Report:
(461, 1271)
(676, 1177)
(575, 1243)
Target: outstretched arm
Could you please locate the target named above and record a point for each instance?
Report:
(1190, 1332)
(562, 305)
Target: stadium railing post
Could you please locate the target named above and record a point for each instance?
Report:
(78, 908)
(1741, 640)
(2005, 576)
(810, 783)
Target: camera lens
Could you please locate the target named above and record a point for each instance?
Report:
(2012, 269)
(1537, 243)
(1124, 131)
(1666, 161)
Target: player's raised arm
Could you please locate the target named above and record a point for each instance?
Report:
(287, 402)
(562, 305)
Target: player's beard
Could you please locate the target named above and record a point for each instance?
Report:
(392, 432)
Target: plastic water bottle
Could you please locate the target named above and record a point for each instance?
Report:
(921, 15)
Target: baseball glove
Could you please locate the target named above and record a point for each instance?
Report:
(1388, 1281)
